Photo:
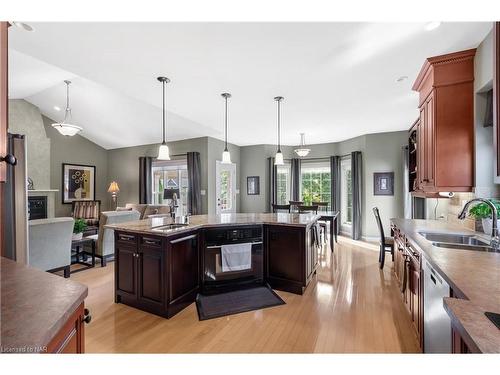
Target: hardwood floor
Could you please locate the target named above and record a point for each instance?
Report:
(351, 307)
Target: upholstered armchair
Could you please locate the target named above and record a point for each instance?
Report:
(105, 239)
(87, 210)
(50, 244)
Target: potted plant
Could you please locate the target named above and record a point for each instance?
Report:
(483, 211)
(78, 228)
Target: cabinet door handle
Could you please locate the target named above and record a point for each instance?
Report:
(9, 159)
(87, 317)
(126, 237)
(405, 274)
(152, 242)
(183, 239)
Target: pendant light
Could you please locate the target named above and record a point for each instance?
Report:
(302, 150)
(65, 127)
(163, 152)
(226, 156)
(278, 159)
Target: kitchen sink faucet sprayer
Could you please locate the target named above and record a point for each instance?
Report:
(495, 240)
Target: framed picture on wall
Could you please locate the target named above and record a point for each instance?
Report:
(383, 183)
(253, 185)
(78, 182)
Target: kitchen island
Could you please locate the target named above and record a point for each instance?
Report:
(161, 266)
(473, 277)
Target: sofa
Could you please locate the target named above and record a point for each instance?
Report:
(50, 244)
(105, 239)
(147, 210)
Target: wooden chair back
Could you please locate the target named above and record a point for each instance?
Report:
(322, 206)
(281, 208)
(306, 209)
(294, 205)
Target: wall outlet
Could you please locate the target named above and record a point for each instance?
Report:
(203, 192)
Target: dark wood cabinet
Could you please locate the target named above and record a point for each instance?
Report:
(71, 337)
(183, 271)
(445, 129)
(288, 266)
(157, 274)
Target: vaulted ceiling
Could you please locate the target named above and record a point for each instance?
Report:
(339, 80)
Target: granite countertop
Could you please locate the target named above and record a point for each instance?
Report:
(148, 226)
(34, 306)
(474, 277)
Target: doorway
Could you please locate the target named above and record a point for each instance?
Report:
(225, 187)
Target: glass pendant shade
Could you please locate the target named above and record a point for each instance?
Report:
(302, 150)
(226, 157)
(278, 158)
(163, 152)
(65, 127)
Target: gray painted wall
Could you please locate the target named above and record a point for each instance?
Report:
(25, 118)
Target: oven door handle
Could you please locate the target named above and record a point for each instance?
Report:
(219, 246)
(183, 239)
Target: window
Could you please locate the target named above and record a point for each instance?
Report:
(171, 174)
(283, 184)
(346, 191)
(316, 182)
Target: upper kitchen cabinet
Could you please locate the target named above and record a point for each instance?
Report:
(443, 137)
(496, 97)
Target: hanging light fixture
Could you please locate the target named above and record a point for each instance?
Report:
(163, 152)
(302, 150)
(278, 159)
(65, 127)
(226, 156)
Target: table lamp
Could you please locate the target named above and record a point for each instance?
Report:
(114, 189)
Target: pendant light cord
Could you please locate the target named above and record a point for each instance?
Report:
(164, 117)
(279, 125)
(225, 124)
(68, 109)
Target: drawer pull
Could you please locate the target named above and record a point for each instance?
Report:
(183, 239)
(126, 237)
(151, 242)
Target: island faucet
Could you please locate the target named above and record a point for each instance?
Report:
(495, 240)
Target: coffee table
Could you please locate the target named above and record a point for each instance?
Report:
(78, 246)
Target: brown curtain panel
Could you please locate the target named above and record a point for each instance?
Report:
(194, 181)
(295, 168)
(145, 180)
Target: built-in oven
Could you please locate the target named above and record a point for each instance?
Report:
(215, 278)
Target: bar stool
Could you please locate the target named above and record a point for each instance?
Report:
(386, 243)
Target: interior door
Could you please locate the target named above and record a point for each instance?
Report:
(225, 187)
(3, 121)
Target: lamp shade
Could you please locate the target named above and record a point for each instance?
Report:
(278, 159)
(113, 187)
(68, 130)
(169, 193)
(163, 152)
(226, 157)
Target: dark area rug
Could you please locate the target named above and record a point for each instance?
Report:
(238, 301)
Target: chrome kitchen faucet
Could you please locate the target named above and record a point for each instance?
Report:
(495, 240)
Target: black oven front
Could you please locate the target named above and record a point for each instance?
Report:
(214, 278)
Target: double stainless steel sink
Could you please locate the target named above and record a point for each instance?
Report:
(164, 228)
(457, 241)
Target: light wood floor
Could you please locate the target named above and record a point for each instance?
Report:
(350, 307)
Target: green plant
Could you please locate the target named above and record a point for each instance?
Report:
(80, 226)
(482, 210)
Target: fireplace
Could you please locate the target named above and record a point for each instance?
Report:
(37, 207)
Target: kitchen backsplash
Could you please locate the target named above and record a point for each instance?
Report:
(455, 206)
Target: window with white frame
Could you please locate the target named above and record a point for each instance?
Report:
(171, 174)
(346, 192)
(283, 183)
(316, 181)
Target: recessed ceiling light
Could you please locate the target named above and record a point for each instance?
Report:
(22, 25)
(402, 78)
(57, 108)
(432, 25)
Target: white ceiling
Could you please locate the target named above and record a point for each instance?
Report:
(338, 79)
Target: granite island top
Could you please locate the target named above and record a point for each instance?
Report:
(473, 275)
(150, 226)
(34, 306)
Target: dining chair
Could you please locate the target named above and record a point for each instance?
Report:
(294, 205)
(306, 209)
(386, 243)
(281, 208)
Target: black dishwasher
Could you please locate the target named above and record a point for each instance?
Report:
(215, 280)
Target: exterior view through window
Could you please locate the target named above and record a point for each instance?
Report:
(171, 174)
(283, 184)
(316, 182)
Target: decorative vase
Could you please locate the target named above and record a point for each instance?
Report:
(487, 224)
(77, 236)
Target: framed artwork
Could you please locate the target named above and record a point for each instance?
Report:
(383, 183)
(253, 185)
(78, 182)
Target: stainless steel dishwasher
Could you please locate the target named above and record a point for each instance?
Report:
(437, 324)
